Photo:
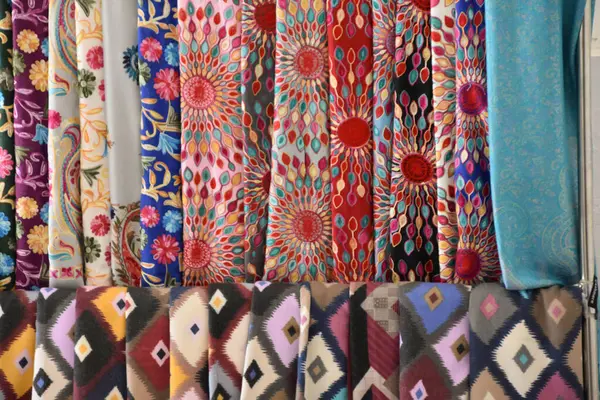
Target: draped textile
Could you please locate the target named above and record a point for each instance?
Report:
(54, 348)
(228, 322)
(147, 343)
(533, 343)
(413, 214)
(534, 175)
(7, 152)
(350, 45)
(258, 78)
(434, 344)
(299, 231)
(30, 69)
(271, 360)
(17, 343)
(212, 141)
(188, 314)
(160, 202)
(64, 145)
(374, 340)
(99, 338)
(123, 113)
(94, 176)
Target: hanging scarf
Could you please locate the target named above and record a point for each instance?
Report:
(258, 77)
(122, 96)
(212, 142)
(413, 189)
(299, 232)
(7, 152)
(30, 69)
(161, 215)
(350, 43)
(95, 189)
(533, 139)
(54, 348)
(65, 229)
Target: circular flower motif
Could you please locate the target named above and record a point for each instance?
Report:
(144, 73)
(151, 49)
(92, 249)
(45, 47)
(27, 207)
(54, 119)
(18, 63)
(172, 221)
(86, 83)
(7, 82)
(100, 225)
(28, 41)
(130, 63)
(4, 225)
(143, 238)
(166, 84)
(6, 163)
(196, 254)
(95, 57)
(7, 264)
(108, 256)
(37, 239)
(172, 54)
(38, 74)
(199, 92)
(149, 216)
(44, 212)
(102, 90)
(165, 249)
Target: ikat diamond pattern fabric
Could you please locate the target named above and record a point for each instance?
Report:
(532, 342)
(434, 341)
(17, 343)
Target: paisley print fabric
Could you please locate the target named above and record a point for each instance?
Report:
(123, 115)
(535, 201)
(7, 152)
(299, 246)
(161, 216)
(95, 189)
(17, 343)
(212, 141)
(30, 69)
(66, 255)
(350, 44)
(258, 77)
(413, 214)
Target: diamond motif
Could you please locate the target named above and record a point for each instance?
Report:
(82, 348)
(220, 393)
(194, 329)
(253, 373)
(291, 330)
(460, 348)
(317, 369)
(120, 304)
(434, 298)
(453, 351)
(129, 305)
(23, 361)
(160, 354)
(418, 392)
(557, 388)
(489, 306)
(523, 359)
(41, 382)
(115, 394)
(556, 311)
(493, 307)
(47, 292)
(217, 301)
(262, 285)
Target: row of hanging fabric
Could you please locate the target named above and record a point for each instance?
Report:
(161, 143)
(275, 340)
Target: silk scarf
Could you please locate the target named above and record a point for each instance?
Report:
(17, 343)
(54, 348)
(299, 246)
(161, 205)
(413, 213)
(30, 70)
(94, 179)
(188, 316)
(533, 151)
(147, 343)
(258, 77)
(7, 153)
(212, 141)
(99, 337)
(533, 341)
(64, 144)
(123, 113)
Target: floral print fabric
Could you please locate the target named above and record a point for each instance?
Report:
(30, 69)
(161, 215)
(7, 152)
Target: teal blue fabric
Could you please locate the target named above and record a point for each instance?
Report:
(533, 117)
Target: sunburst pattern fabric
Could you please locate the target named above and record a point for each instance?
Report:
(212, 141)
(532, 342)
(17, 343)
